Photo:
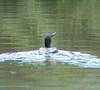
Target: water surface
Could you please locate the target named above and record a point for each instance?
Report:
(23, 26)
(29, 77)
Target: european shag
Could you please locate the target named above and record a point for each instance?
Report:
(47, 40)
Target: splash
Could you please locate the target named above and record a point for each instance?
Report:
(61, 56)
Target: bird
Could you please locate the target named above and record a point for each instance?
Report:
(47, 39)
(47, 44)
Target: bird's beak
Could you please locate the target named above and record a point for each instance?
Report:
(53, 34)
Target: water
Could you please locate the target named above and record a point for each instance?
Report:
(23, 26)
(29, 77)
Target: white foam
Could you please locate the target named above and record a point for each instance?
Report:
(62, 56)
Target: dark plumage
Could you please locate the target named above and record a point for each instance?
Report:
(48, 40)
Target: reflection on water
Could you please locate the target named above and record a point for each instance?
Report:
(23, 26)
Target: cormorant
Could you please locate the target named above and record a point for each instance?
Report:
(47, 40)
(47, 45)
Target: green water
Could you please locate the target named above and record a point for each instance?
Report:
(23, 25)
(65, 77)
